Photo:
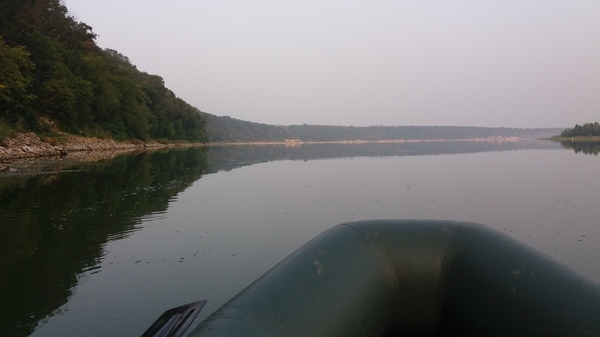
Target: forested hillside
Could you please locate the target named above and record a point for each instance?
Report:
(52, 70)
(227, 129)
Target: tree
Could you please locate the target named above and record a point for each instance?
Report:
(585, 130)
(16, 75)
(81, 87)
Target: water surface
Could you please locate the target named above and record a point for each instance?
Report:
(104, 249)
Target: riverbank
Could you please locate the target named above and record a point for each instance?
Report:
(27, 153)
(576, 139)
(29, 145)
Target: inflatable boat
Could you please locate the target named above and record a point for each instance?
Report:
(411, 278)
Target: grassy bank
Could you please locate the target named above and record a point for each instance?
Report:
(576, 139)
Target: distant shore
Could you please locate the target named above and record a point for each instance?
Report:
(576, 139)
(28, 146)
(494, 139)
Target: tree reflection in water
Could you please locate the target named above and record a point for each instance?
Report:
(55, 226)
(583, 147)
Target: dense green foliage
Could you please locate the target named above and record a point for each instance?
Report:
(51, 68)
(585, 130)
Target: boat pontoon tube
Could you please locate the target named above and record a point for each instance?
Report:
(412, 278)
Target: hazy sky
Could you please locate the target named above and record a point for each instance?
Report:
(512, 63)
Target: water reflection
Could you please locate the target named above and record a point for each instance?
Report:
(54, 226)
(230, 157)
(583, 147)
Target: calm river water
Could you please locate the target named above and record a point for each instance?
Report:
(102, 249)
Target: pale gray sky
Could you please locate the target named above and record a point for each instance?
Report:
(512, 63)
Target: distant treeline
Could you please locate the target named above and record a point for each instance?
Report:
(51, 69)
(227, 129)
(374, 133)
(585, 130)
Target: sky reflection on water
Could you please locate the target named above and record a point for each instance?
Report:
(203, 223)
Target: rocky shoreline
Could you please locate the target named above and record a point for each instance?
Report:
(21, 150)
(27, 145)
